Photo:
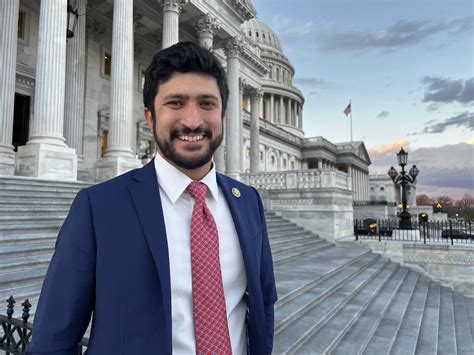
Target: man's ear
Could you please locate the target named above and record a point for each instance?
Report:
(148, 117)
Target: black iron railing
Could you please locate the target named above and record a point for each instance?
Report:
(450, 231)
(15, 334)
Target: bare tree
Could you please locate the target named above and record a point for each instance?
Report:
(465, 207)
(446, 201)
(424, 200)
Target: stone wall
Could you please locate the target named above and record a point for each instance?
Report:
(326, 212)
(375, 212)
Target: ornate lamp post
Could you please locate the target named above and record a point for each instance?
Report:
(404, 179)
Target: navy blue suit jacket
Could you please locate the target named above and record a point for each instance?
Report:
(111, 260)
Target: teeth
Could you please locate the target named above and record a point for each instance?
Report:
(191, 138)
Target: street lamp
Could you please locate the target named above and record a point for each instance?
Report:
(404, 179)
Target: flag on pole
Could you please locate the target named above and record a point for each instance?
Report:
(348, 109)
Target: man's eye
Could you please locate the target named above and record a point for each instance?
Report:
(174, 103)
(208, 104)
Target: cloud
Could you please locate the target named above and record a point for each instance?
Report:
(445, 90)
(433, 107)
(393, 147)
(314, 82)
(383, 114)
(465, 119)
(289, 29)
(471, 140)
(465, 24)
(401, 34)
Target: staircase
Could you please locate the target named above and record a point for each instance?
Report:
(336, 300)
(31, 214)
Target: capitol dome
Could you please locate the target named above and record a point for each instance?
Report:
(260, 33)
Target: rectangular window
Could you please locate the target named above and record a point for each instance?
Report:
(21, 24)
(107, 63)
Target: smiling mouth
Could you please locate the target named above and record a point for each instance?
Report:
(188, 138)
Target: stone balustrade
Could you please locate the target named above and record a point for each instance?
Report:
(319, 141)
(298, 179)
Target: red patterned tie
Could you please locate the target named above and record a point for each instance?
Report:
(210, 318)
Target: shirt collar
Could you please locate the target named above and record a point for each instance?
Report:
(174, 182)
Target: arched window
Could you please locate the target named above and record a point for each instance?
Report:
(277, 74)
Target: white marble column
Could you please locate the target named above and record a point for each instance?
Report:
(272, 108)
(290, 112)
(349, 177)
(171, 11)
(255, 97)
(233, 49)
(295, 114)
(75, 83)
(206, 27)
(242, 85)
(301, 116)
(46, 155)
(119, 157)
(281, 118)
(8, 37)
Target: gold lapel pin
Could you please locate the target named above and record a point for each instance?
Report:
(235, 192)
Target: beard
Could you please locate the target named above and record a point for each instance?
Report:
(168, 149)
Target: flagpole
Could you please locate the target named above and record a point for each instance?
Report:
(350, 103)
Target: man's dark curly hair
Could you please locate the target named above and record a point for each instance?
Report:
(183, 57)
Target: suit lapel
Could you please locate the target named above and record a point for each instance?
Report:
(146, 197)
(239, 215)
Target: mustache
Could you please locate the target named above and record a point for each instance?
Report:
(185, 130)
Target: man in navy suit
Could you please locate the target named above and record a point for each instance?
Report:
(124, 256)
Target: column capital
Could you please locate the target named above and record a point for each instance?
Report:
(243, 84)
(234, 47)
(207, 24)
(255, 94)
(173, 5)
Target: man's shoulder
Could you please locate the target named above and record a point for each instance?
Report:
(114, 185)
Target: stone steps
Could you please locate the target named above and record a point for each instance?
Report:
(32, 238)
(338, 301)
(31, 214)
(292, 336)
(57, 218)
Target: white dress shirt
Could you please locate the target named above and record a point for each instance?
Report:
(178, 206)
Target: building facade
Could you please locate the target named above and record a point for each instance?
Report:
(71, 107)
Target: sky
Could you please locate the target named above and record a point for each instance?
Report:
(406, 66)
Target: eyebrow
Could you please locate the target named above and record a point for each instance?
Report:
(186, 97)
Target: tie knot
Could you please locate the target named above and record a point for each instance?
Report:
(198, 190)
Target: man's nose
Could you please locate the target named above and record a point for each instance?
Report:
(192, 117)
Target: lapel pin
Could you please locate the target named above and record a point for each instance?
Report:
(235, 192)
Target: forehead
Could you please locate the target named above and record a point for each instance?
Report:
(189, 84)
